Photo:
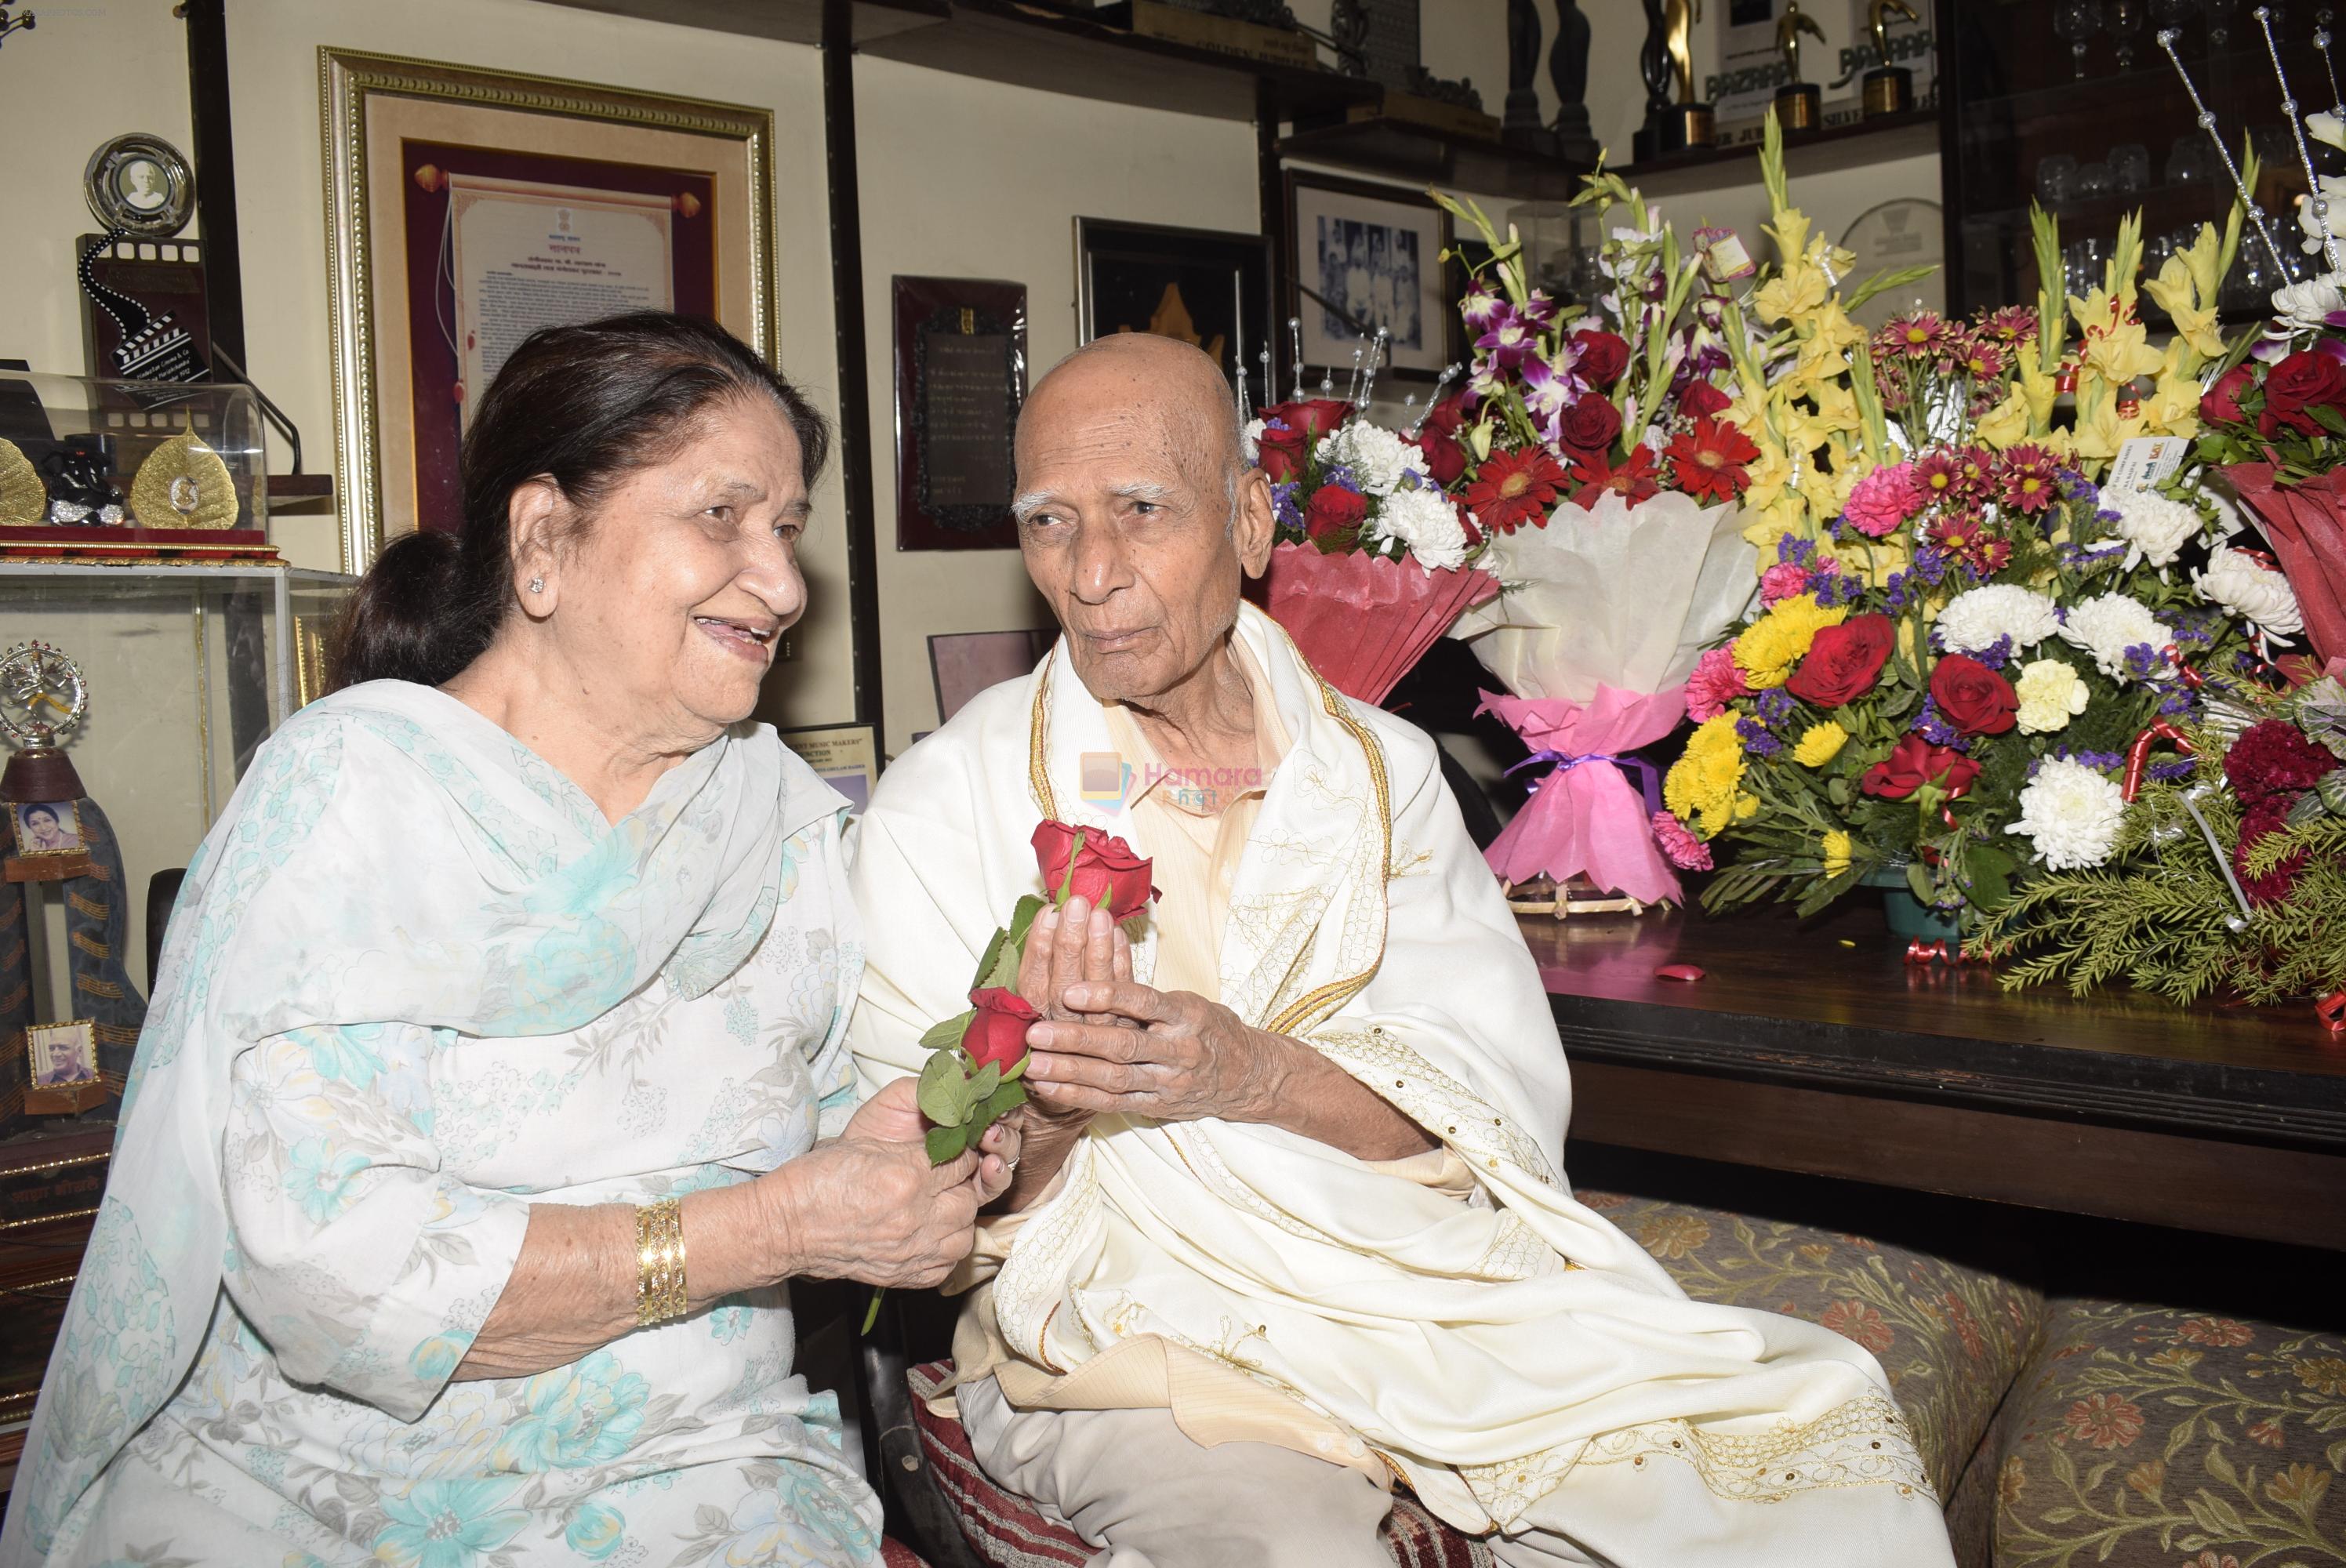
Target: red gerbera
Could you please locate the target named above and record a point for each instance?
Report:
(1512, 488)
(1979, 358)
(1938, 477)
(2032, 480)
(1711, 460)
(1634, 481)
(2011, 324)
(1921, 336)
(1965, 537)
(1975, 473)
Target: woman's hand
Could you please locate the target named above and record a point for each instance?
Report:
(893, 1115)
(868, 1205)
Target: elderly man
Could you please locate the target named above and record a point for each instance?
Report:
(1291, 1225)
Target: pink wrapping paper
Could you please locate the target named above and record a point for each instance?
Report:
(1588, 820)
(1363, 621)
(2306, 525)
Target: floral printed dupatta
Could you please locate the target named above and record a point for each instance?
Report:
(392, 856)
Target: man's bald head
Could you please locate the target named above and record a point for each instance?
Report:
(1137, 512)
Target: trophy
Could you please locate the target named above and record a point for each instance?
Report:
(1800, 104)
(1666, 63)
(1887, 89)
(41, 697)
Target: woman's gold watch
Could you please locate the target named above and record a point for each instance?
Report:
(659, 1262)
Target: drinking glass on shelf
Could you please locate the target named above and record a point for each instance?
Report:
(2094, 182)
(2172, 12)
(2219, 22)
(2192, 164)
(2083, 262)
(2124, 19)
(2056, 178)
(2076, 21)
(2130, 167)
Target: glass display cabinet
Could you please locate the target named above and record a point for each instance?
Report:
(2074, 103)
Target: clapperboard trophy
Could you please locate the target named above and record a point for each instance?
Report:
(142, 287)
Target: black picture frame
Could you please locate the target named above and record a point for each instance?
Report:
(1128, 276)
(1427, 334)
(978, 312)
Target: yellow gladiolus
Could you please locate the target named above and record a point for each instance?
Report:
(2006, 425)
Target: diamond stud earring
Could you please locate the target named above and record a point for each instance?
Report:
(537, 585)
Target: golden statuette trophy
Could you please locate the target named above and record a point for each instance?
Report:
(1799, 103)
(42, 696)
(1888, 89)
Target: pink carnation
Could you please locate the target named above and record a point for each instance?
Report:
(1685, 852)
(1715, 682)
(1882, 500)
(1785, 580)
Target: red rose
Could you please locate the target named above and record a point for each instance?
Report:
(1107, 872)
(1334, 516)
(2301, 383)
(998, 1032)
(1917, 762)
(1314, 418)
(1603, 357)
(1974, 698)
(1701, 400)
(2220, 403)
(1589, 426)
(1843, 662)
(1445, 455)
(1280, 454)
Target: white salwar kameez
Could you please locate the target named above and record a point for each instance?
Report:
(1515, 1358)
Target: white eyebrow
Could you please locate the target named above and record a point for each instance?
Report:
(1026, 506)
(1147, 491)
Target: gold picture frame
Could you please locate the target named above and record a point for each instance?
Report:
(377, 111)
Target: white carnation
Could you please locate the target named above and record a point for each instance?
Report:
(1250, 441)
(2071, 814)
(2106, 628)
(2155, 528)
(1978, 619)
(1377, 457)
(1425, 520)
(2256, 595)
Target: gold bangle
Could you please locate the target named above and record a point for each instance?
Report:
(659, 1262)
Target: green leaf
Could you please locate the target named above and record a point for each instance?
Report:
(1917, 881)
(946, 1143)
(991, 960)
(944, 1094)
(1067, 883)
(1021, 917)
(872, 1313)
(1005, 1099)
(948, 1034)
(988, 1079)
(1015, 1071)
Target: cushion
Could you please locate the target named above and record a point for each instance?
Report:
(2144, 1435)
(895, 1553)
(1007, 1531)
(1950, 1336)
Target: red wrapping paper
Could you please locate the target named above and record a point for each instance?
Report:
(1361, 620)
(2306, 523)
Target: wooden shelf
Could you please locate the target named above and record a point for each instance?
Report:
(1055, 51)
(1838, 147)
(789, 21)
(1431, 157)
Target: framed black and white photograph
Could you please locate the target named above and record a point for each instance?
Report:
(1364, 257)
(1198, 285)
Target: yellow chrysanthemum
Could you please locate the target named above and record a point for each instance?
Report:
(1836, 852)
(1820, 744)
(1746, 808)
(1767, 651)
(1703, 786)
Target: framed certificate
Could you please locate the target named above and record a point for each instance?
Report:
(467, 208)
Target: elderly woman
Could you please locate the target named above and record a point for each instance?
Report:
(475, 1131)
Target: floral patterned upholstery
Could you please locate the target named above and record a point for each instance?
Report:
(2144, 1435)
(1950, 1338)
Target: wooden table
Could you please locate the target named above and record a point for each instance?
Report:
(1820, 1050)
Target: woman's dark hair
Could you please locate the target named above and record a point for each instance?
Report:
(583, 406)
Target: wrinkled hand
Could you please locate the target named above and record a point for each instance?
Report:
(893, 1115)
(1167, 1054)
(1070, 947)
(869, 1207)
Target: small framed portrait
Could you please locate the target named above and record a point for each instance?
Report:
(61, 1055)
(140, 185)
(1364, 257)
(46, 827)
(1198, 285)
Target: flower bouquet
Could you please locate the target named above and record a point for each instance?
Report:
(1602, 462)
(1963, 637)
(1373, 562)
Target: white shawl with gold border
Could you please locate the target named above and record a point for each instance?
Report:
(1510, 1388)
